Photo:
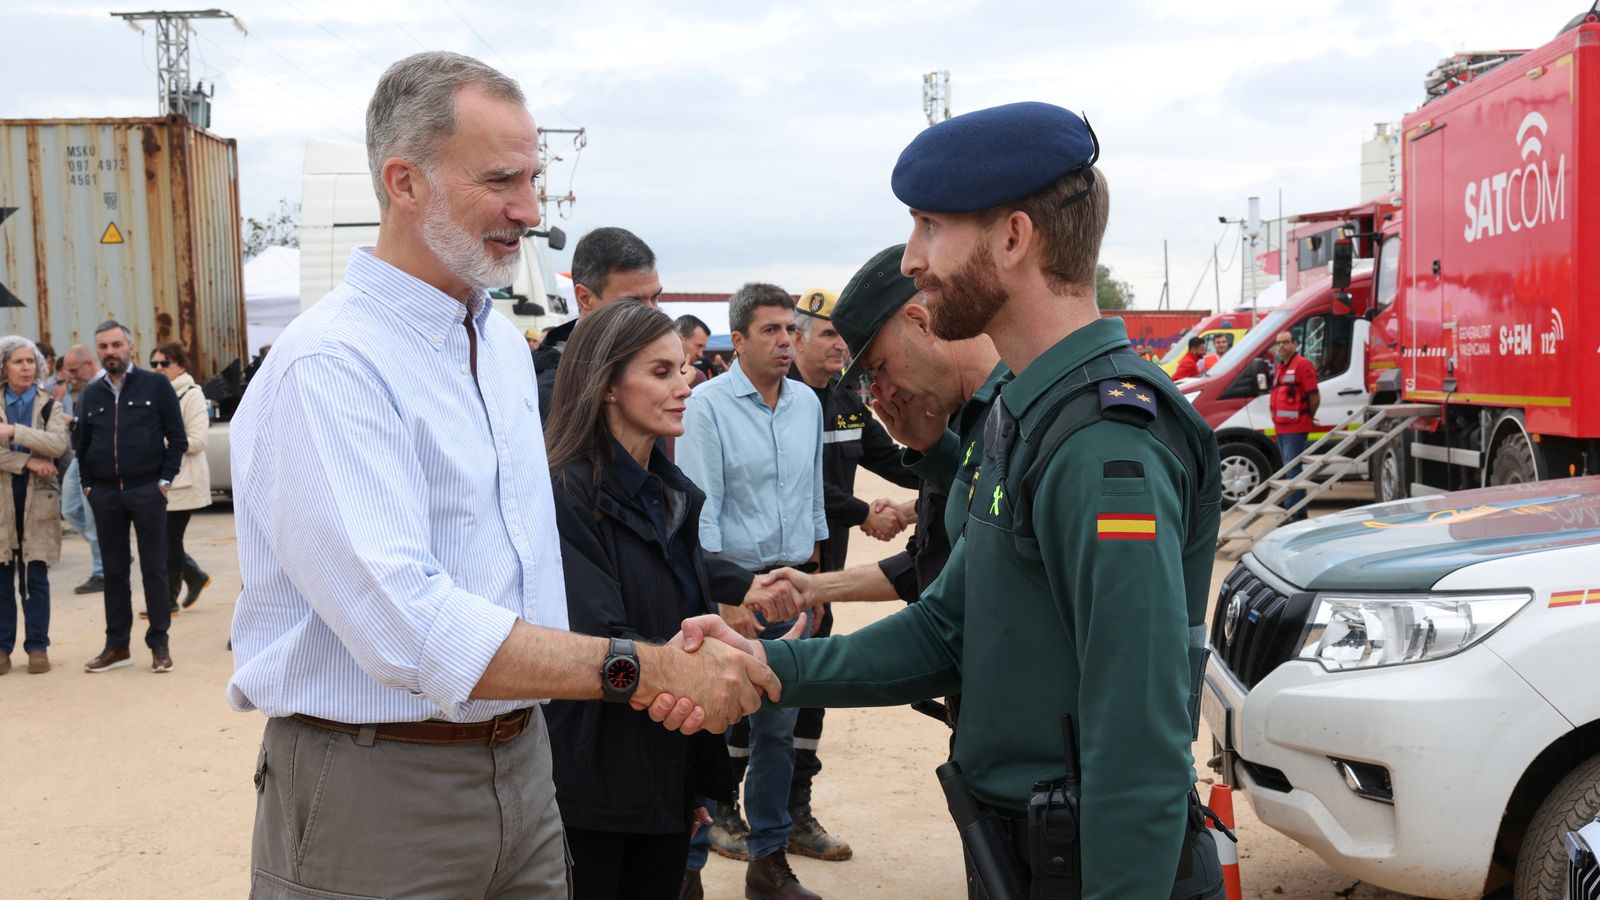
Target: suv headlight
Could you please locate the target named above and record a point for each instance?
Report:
(1350, 631)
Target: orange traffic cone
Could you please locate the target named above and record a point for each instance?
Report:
(1221, 803)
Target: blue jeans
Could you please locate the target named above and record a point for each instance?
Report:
(35, 608)
(1290, 446)
(771, 769)
(75, 510)
(36, 592)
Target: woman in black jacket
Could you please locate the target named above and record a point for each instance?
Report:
(630, 548)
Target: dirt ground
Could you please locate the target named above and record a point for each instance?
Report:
(126, 785)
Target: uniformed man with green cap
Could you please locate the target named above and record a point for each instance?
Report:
(1079, 585)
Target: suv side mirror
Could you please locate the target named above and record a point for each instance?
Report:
(1343, 262)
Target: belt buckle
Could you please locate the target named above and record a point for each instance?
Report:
(508, 720)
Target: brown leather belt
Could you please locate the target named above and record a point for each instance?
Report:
(495, 731)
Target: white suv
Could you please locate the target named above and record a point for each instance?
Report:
(1408, 688)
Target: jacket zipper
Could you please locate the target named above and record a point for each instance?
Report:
(116, 434)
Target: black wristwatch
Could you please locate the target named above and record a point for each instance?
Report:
(619, 673)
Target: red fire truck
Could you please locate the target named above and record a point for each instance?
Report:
(1484, 298)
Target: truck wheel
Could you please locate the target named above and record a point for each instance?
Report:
(1513, 461)
(1389, 480)
(1244, 468)
(1542, 861)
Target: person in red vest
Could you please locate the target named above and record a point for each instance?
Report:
(1294, 405)
(1189, 366)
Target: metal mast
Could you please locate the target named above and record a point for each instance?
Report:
(936, 96)
(175, 94)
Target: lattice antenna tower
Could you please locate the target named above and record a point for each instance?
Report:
(936, 96)
(175, 94)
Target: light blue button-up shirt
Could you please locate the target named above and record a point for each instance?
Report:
(393, 521)
(761, 469)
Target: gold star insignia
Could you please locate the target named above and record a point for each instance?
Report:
(1143, 397)
(1113, 393)
(1129, 385)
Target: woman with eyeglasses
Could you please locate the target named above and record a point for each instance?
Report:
(32, 437)
(629, 790)
(191, 490)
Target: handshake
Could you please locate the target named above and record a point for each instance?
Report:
(707, 677)
(887, 519)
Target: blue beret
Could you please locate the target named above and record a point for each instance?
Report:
(982, 159)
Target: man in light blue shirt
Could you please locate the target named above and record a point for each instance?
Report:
(753, 442)
(403, 609)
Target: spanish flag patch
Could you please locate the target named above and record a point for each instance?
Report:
(1125, 527)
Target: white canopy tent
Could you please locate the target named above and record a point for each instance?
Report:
(271, 294)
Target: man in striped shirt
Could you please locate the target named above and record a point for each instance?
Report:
(403, 610)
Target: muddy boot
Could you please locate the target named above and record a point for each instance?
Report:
(770, 878)
(729, 832)
(808, 838)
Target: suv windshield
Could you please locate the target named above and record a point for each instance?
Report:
(1253, 342)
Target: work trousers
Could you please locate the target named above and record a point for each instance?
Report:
(610, 865)
(145, 509)
(336, 817)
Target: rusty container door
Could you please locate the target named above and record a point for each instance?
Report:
(135, 220)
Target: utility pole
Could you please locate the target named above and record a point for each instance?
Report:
(936, 96)
(1166, 280)
(175, 95)
(580, 140)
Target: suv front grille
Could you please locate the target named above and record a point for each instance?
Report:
(1267, 623)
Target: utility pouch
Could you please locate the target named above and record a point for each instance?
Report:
(1053, 842)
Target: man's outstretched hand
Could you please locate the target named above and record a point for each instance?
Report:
(700, 635)
(711, 688)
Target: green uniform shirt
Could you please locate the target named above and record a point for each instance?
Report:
(955, 459)
(1089, 617)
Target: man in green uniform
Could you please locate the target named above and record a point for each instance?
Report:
(1081, 580)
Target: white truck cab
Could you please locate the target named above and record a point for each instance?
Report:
(1407, 688)
(339, 211)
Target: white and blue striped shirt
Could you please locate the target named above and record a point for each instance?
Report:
(393, 522)
(761, 469)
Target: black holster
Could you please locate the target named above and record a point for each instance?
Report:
(1054, 852)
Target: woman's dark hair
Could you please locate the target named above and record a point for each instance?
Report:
(173, 351)
(598, 351)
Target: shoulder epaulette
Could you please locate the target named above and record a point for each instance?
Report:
(1127, 394)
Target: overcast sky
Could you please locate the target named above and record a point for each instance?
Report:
(754, 141)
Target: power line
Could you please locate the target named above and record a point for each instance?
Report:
(1202, 279)
(319, 83)
(403, 30)
(334, 35)
(509, 67)
(291, 93)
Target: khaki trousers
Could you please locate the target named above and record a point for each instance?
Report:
(342, 819)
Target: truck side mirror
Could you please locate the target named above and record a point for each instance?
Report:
(557, 239)
(1341, 304)
(1343, 262)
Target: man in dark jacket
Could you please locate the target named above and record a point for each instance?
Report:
(130, 443)
(609, 264)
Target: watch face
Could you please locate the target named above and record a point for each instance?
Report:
(622, 674)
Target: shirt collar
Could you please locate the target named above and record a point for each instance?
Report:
(744, 387)
(424, 307)
(1095, 339)
(631, 476)
(986, 391)
(26, 396)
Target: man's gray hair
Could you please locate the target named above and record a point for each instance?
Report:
(413, 110)
(11, 343)
(109, 324)
(805, 323)
(743, 304)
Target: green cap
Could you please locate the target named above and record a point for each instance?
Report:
(874, 293)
